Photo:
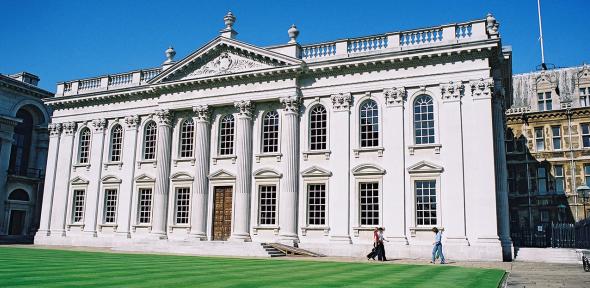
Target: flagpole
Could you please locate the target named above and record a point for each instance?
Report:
(541, 33)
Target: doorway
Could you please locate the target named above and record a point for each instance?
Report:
(17, 222)
(222, 212)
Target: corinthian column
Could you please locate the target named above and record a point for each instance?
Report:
(54, 132)
(199, 197)
(62, 180)
(164, 119)
(128, 173)
(288, 196)
(91, 214)
(241, 230)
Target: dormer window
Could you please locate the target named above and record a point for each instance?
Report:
(584, 95)
(544, 101)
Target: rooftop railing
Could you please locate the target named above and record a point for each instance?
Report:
(403, 40)
(108, 82)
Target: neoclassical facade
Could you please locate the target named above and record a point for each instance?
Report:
(23, 152)
(236, 145)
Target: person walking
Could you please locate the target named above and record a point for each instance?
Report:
(437, 249)
(375, 245)
(380, 246)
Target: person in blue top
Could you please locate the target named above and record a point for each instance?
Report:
(437, 249)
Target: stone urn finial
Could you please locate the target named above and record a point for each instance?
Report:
(293, 33)
(492, 25)
(229, 20)
(170, 53)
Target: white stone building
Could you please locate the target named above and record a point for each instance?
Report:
(309, 144)
(23, 152)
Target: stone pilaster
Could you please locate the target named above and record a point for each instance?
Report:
(200, 192)
(289, 184)
(62, 181)
(339, 201)
(241, 230)
(91, 213)
(50, 177)
(163, 150)
(128, 170)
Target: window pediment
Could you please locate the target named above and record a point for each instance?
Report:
(367, 169)
(267, 173)
(222, 175)
(181, 176)
(425, 167)
(79, 181)
(144, 178)
(110, 179)
(315, 171)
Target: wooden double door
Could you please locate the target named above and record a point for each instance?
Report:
(222, 212)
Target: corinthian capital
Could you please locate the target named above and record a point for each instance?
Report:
(452, 91)
(132, 121)
(395, 96)
(69, 128)
(245, 108)
(482, 88)
(291, 103)
(164, 117)
(202, 112)
(341, 101)
(99, 124)
(54, 129)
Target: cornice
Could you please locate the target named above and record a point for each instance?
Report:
(14, 84)
(76, 100)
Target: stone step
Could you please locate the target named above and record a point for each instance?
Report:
(547, 255)
(272, 252)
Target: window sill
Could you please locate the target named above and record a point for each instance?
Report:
(148, 226)
(359, 151)
(183, 160)
(435, 147)
(224, 157)
(80, 165)
(108, 164)
(423, 229)
(112, 225)
(326, 153)
(356, 230)
(81, 225)
(179, 226)
(274, 228)
(278, 155)
(304, 230)
(144, 162)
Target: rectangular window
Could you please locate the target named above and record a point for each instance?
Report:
(584, 95)
(587, 174)
(509, 141)
(268, 204)
(556, 136)
(78, 206)
(542, 180)
(110, 206)
(539, 139)
(585, 135)
(182, 205)
(316, 204)
(425, 203)
(544, 101)
(559, 179)
(369, 197)
(145, 206)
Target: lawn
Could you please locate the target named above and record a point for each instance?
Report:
(29, 267)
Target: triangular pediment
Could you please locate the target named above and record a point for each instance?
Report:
(222, 175)
(181, 176)
(267, 173)
(367, 169)
(224, 56)
(79, 181)
(315, 171)
(144, 178)
(425, 167)
(110, 179)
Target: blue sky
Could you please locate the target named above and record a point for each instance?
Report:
(65, 40)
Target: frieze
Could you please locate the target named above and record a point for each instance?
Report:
(227, 63)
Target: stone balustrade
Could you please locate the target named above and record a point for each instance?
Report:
(397, 41)
(105, 83)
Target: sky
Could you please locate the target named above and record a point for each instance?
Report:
(67, 40)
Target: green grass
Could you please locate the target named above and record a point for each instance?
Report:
(28, 267)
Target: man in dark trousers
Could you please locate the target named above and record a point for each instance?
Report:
(380, 246)
(375, 245)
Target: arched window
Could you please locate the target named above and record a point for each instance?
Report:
(318, 128)
(19, 155)
(84, 147)
(116, 143)
(187, 138)
(226, 135)
(270, 132)
(149, 140)
(369, 125)
(423, 120)
(19, 194)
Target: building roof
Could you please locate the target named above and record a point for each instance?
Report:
(10, 82)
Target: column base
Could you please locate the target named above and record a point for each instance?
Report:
(341, 238)
(240, 238)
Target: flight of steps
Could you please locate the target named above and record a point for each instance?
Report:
(272, 252)
(548, 255)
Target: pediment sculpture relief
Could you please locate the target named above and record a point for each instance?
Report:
(226, 63)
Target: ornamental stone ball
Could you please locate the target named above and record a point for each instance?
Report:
(170, 53)
(229, 20)
(293, 33)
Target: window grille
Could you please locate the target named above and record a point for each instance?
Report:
(316, 204)
(149, 146)
(369, 197)
(78, 207)
(426, 203)
(116, 143)
(268, 204)
(270, 132)
(423, 120)
(318, 128)
(187, 138)
(145, 205)
(84, 149)
(110, 206)
(369, 124)
(226, 135)
(182, 205)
